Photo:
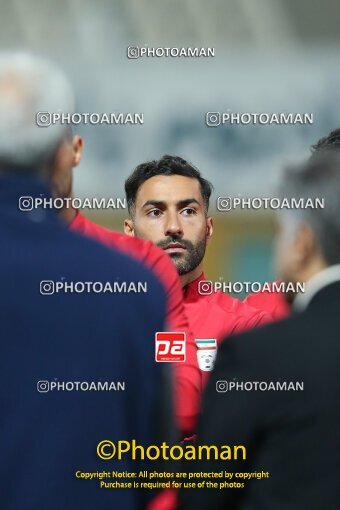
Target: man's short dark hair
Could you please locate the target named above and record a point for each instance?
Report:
(318, 178)
(329, 142)
(167, 165)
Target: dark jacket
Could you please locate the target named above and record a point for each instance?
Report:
(46, 436)
(293, 435)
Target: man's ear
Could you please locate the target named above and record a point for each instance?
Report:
(77, 149)
(305, 243)
(129, 228)
(209, 228)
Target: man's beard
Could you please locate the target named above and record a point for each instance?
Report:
(190, 259)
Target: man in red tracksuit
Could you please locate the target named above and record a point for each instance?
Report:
(168, 203)
(187, 376)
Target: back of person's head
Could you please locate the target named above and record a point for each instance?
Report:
(331, 142)
(29, 85)
(318, 178)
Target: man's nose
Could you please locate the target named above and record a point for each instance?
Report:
(173, 226)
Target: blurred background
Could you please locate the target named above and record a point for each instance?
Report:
(270, 56)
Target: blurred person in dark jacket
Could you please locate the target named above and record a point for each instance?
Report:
(76, 367)
(275, 302)
(275, 390)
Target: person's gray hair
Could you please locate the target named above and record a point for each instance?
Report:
(28, 85)
(318, 178)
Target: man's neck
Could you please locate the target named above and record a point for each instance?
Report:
(67, 214)
(190, 277)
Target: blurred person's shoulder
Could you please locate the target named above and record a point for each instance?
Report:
(88, 228)
(296, 337)
(301, 347)
(140, 249)
(93, 241)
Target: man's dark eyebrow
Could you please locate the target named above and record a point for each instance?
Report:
(155, 203)
(161, 204)
(188, 201)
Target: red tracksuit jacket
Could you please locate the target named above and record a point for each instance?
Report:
(211, 316)
(271, 302)
(218, 315)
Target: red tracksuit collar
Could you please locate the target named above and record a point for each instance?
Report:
(190, 291)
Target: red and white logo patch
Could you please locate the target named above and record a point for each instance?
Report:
(170, 347)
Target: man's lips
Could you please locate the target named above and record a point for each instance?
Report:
(174, 248)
